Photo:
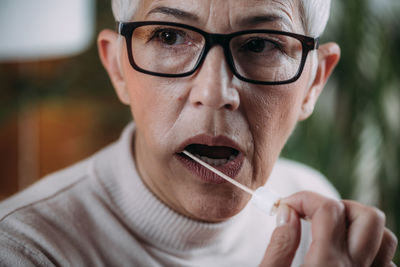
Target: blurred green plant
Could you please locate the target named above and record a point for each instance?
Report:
(354, 136)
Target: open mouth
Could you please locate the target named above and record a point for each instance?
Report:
(219, 152)
(213, 155)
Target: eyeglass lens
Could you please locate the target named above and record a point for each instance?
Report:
(176, 50)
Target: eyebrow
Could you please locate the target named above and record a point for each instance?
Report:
(263, 18)
(177, 13)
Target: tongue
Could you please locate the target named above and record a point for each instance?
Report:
(215, 152)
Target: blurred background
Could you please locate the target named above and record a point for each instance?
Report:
(57, 105)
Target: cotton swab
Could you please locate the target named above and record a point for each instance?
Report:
(263, 198)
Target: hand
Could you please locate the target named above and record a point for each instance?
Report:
(344, 233)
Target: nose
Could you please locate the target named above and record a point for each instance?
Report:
(213, 86)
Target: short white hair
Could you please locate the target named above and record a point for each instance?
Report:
(314, 16)
(314, 13)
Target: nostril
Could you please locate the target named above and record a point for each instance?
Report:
(229, 106)
(198, 104)
(226, 106)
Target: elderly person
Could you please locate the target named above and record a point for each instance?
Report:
(227, 81)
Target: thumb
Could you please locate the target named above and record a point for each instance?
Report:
(284, 240)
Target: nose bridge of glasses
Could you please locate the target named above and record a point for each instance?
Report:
(215, 39)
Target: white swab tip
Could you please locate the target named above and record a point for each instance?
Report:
(266, 200)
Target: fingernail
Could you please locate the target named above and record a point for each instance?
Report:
(283, 215)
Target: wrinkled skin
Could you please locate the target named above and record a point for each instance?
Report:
(213, 102)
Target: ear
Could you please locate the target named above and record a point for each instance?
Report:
(328, 57)
(107, 43)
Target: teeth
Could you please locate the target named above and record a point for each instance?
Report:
(215, 162)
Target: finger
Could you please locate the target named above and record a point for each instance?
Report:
(387, 250)
(365, 231)
(284, 240)
(327, 217)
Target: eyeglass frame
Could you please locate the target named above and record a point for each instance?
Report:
(126, 29)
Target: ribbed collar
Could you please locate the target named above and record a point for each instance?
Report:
(152, 220)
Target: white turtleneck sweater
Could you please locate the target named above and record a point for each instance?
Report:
(99, 213)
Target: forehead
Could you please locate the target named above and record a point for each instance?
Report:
(225, 14)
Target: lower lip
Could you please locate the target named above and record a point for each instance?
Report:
(231, 168)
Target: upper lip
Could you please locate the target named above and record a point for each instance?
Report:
(208, 140)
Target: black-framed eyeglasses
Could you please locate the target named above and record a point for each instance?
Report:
(170, 49)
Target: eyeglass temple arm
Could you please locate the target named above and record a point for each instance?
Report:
(118, 27)
(316, 43)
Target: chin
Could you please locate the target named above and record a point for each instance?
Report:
(217, 208)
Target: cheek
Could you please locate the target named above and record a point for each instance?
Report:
(274, 112)
(155, 105)
(277, 111)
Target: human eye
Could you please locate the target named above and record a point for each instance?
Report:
(260, 45)
(169, 36)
